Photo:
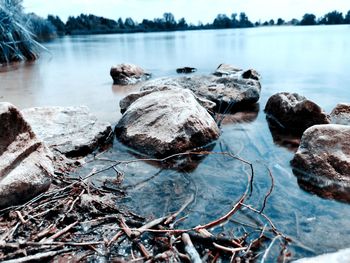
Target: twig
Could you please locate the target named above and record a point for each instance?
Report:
(183, 207)
(270, 190)
(269, 248)
(36, 257)
(21, 217)
(229, 249)
(190, 249)
(63, 231)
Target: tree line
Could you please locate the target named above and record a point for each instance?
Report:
(91, 24)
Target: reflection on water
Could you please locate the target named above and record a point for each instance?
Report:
(309, 60)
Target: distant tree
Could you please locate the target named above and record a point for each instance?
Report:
(332, 18)
(257, 23)
(347, 18)
(265, 23)
(170, 22)
(271, 22)
(57, 23)
(280, 21)
(182, 24)
(42, 28)
(222, 21)
(308, 20)
(234, 21)
(120, 23)
(244, 21)
(129, 23)
(294, 22)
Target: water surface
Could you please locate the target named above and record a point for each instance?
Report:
(312, 61)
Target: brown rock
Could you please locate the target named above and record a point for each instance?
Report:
(341, 114)
(166, 122)
(25, 162)
(324, 151)
(125, 74)
(294, 112)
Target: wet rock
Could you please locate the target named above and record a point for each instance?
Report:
(226, 70)
(166, 122)
(229, 93)
(340, 256)
(324, 151)
(294, 112)
(341, 114)
(251, 74)
(132, 97)
(186, 70)
(25, 162)
(71, 131)
(125, 74)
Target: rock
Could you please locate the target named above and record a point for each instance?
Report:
(341, 114)
(186, 70)
(294, 112)
(251, 74)
(229, 93)
(71, 131)
(166, 122)
(324, 151)
(25, 163)
(226, 70)
(132, 97)
(340, 256)
(125, 74)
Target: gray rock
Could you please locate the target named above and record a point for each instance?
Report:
(25, 163)
(132, 97)
(324, 151)
(229, 93)
(251, 74)
(226, 70)
(125, 74)
(341, 114)
(71, 131)
(166, 122)
(294, 112)
(340, 256)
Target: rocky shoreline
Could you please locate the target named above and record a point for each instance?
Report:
(167, 116)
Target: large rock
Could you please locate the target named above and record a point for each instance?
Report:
(230, 93)
(324, 151)
(132, 97)
(341, 114)
(166, 122)
(25, 163)
(125, 74)
(71, 131)
(294, 112)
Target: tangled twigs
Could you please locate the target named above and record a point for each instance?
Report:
(79, 219)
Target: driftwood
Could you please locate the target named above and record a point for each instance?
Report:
(79, 219)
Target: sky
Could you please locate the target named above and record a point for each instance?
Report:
(193, 10)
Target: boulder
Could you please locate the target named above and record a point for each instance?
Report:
(125, 74)
(71, 131)
(25, 162)
(251, 74)
(186, 70)
(293, 112)
(166, 122)
(341, 114)
(227, 70)
(229, 93)
(132, 97)
(324, 151)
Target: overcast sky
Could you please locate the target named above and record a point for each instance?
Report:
(193, 10)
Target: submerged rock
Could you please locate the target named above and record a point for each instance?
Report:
(25, 162)
(71, 131)
(294, 112)
(186, 70)
(341, 114)
(165, 122)
(229, 93)
(125, 74)
(324, 151)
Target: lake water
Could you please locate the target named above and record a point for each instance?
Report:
(313, 61)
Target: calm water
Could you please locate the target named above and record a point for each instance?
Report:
(313, 61)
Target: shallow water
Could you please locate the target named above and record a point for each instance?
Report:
(312, 61)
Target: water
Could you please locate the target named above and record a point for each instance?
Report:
(312, 61)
